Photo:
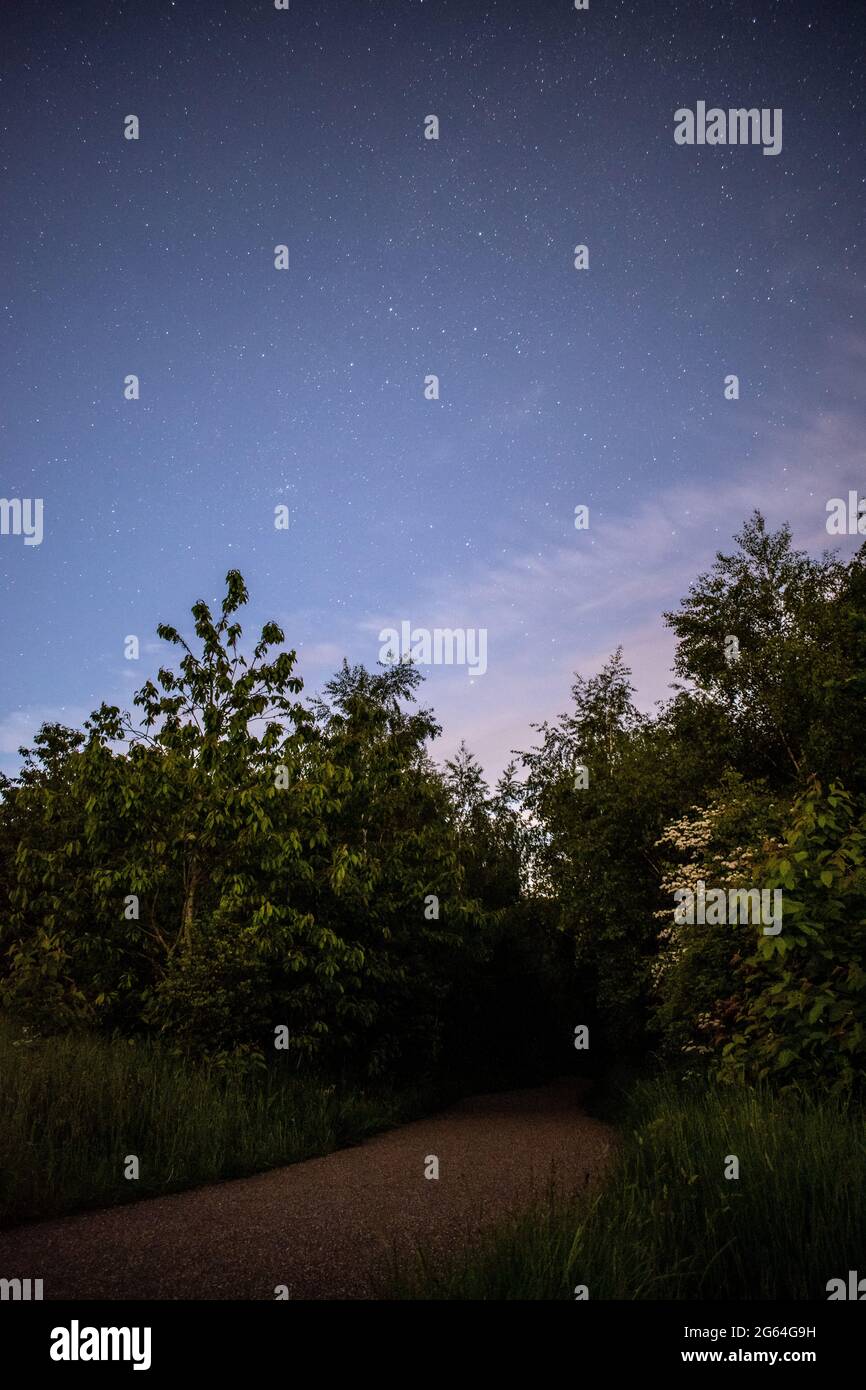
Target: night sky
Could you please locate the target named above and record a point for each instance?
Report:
(409, 257)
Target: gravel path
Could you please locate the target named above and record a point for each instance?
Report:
(329, 1228)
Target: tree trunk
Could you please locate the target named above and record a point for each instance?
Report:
(193, 879)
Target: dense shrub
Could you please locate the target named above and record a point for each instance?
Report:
(800, 1015)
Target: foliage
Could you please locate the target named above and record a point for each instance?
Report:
(695, 972)
(236, 859)
(801, 1013)
(592, 853)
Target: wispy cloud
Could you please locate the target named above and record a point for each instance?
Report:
(553, 608)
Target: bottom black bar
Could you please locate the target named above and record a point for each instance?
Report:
(247, 1338)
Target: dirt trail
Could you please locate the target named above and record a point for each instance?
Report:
(331, 1227)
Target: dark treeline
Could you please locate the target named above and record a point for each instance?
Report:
(233, 859)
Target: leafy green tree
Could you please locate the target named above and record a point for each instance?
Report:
(44, 879)
(489, 832)
(780, 606)
(176, 847)
(592, 791)
(837, 746)
(403, 903)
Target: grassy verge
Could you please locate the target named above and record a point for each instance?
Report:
(668, 1225)
(74, 1107)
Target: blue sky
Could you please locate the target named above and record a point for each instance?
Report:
(304, 387)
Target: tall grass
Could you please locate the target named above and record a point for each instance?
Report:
(666, 1224)
(72, 1108)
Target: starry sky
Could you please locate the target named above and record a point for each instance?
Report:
(408, 257)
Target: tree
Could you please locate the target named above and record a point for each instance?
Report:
(779, 606)
(403, 904)
(174, 850)
(592, 791)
